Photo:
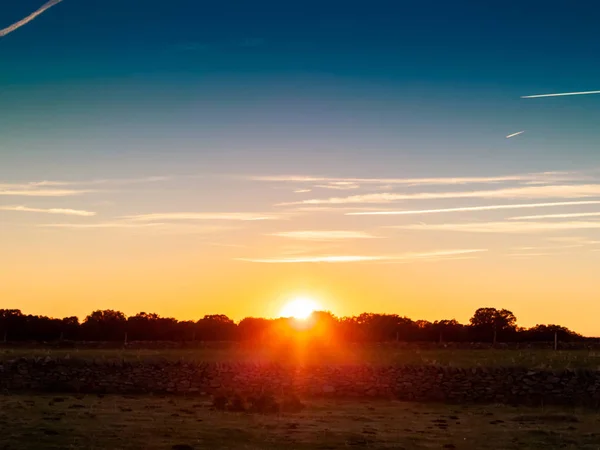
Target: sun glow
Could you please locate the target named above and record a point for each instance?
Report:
(299, 308)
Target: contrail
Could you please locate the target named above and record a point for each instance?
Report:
(515, 134)
(562, 94)
(29, 18)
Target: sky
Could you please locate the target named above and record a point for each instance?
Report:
(191, 158)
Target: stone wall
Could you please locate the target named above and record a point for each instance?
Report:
(416, 383)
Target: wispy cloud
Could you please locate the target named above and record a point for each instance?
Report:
(529, 255)
(574, 240)
(50, 188)
(241, 216)
(556, 216)
(29, 18)
(548, 247)
(304, 249)
(105, 181)
(561, 94)
(84, 226)
(362, 258)
(502, 227)
(540, 176)
(301, 191)
(547, 191)
(335, 208)
(41, 192)
(159, 228)
(331, 235)
(515, 134)
(339, 185)
(221, 244)
(471, 208)
(67, 212)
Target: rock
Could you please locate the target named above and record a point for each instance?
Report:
(417, 383)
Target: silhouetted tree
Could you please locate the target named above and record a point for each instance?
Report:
(12, 323)
(490, 322)
(105, 325)
(254, 329)
(215, 327)
(108, 325)
(449, 331)
(546, 333)
(70, 328)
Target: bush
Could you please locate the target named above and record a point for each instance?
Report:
(237, 404)
(220, 402)
(291, 403)
(265, 403)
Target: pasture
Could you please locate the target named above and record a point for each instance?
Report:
(319, 354)
(179, 423)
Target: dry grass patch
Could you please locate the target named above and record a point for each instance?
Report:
(145, 422)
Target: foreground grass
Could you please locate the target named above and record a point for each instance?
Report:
(547, 359)
(92, 422)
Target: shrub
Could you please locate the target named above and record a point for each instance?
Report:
(220, 402)
(291, 403)
(265, 403)
(237, 404)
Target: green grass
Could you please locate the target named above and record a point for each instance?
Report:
(117, 422)
(336, 355)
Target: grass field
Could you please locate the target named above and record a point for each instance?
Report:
(326, 355)
(92, 422)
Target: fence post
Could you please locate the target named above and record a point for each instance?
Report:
(125, 342)
(555, 340)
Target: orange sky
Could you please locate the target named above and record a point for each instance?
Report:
(188, 267)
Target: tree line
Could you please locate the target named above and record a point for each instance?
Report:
(486, 325)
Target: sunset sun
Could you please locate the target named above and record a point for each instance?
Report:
(299, 308)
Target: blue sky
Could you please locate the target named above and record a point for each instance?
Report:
(410, 79)
(98, 97)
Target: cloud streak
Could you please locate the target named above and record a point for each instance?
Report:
(339, 186)
(234, 216)
(472, 208)
(502, 227)
(529, 255)
(574, 240)
(556, 216)
(561, 94)
(29, 18)
(160, 228)
(49, 188)
(515, 134)
(333, 235)
(328, 181)
(406, 257)
(67, 212)
(546, 191)
(101, 225)
(106, 181)
(40, 192)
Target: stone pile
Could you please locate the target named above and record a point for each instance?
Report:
(415, 383)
